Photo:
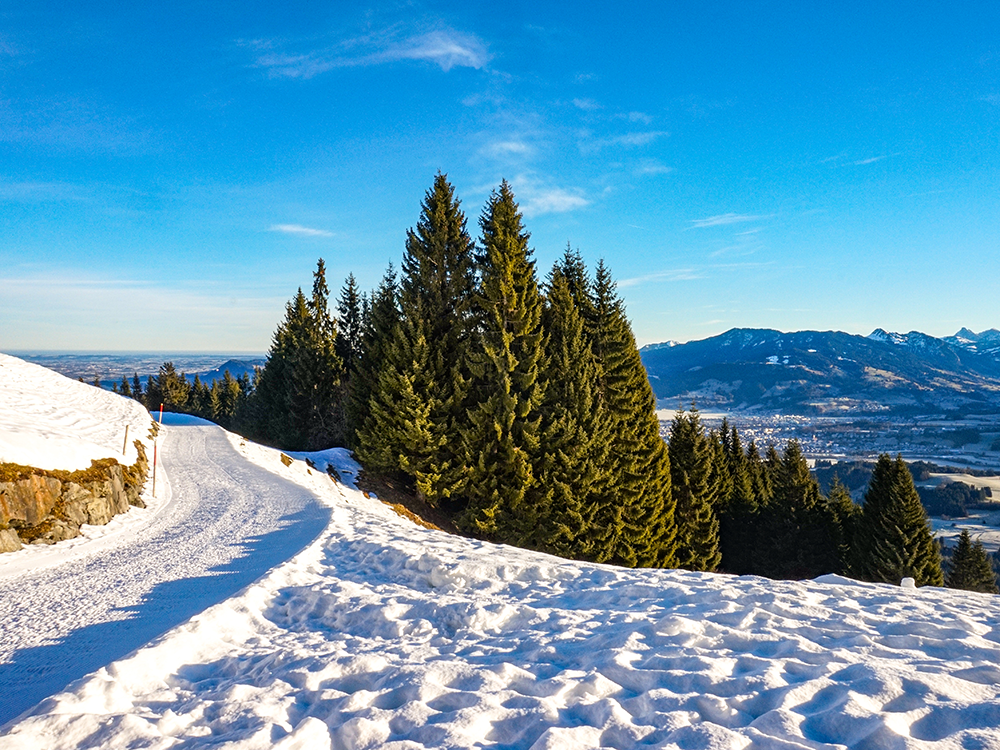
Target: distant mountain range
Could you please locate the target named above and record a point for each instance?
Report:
(817, 372)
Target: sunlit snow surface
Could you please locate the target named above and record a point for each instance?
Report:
(52, 422)
(382, 634)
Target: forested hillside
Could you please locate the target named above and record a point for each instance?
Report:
(517, 405)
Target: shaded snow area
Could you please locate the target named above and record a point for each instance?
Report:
(50, 421)
(383, 635)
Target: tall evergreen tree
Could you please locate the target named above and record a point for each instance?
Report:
(576, 517)
(295, 399)
(970, 567)
(844, 518)
(895, 541)
(692, 455)
(738, 520)
(638, 461)
(137, 390)
(506, 360)
(419, 408)
(798, 541)
(349, 326)
(167, 387)
(379, 321)
(572, 268)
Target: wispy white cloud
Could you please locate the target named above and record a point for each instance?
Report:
(446, 48)
(589, 144)
(587, 105)
(636, 117)
(652, 167)
(676, 274)
(871, 160)
(504, 148)
(724, 219)
(843, 160)
(7, 48)
(299, 230)
(39, 192)
(993, 99)
(537, 198)
(639, 139)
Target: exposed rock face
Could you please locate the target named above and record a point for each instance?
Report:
(29, 500)
(47, 507)
(9, 540)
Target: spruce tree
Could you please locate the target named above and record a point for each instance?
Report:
(798, 541)
(349, 326)
(895, 540)
(418, 410)
(970, 567)
(296, 393)
(576, 517)
(572, 268)
(137, 392)
(379, 321)
(759, 481)
(229, 397)
(167, 387)
(199, 399)
(506, 360)
(739, 519)
(845, 517)
(639, 465)
(692, 454)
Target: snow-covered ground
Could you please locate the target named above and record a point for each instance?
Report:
(216, 524)
(53, 422)
(380, 634)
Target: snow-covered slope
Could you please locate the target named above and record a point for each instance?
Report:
(384, 635)
(380, 634)
(53, 422)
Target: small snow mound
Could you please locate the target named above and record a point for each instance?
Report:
(908, 583)
(833, 578)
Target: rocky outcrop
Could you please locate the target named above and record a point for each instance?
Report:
(44, 507)
(29, 500)
(9, 540)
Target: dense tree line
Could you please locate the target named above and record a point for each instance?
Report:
(223, 402)
(519, 405)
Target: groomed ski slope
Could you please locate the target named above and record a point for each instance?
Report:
(384, 635)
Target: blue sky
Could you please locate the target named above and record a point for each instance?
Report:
(169, 175)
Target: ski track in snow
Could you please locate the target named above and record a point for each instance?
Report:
(67, 610)
(384, 635)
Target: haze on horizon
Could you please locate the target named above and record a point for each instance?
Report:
(169, 175)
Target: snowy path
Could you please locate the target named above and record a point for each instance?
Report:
(226, 523)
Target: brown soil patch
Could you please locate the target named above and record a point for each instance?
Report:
(406, 504)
